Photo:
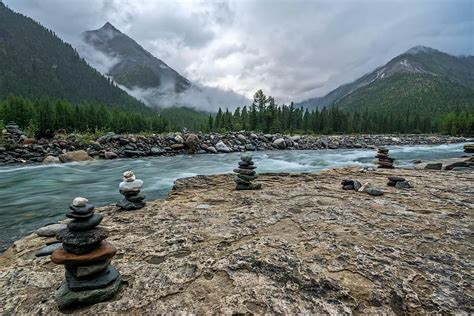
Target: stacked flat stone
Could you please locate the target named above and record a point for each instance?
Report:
(130, 188)
(246, 174)
(86, 257)
(384, 161)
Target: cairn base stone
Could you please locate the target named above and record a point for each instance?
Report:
(96, 281)
(65, 297)
(129, 206)
(252, 186)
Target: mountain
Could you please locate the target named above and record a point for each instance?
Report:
(148, 78)
(133, 66)
(410, 77)
(35, 63)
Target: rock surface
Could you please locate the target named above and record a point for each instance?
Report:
(300, 245)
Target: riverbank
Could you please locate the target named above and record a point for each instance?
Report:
(18, 148)
(301, 244)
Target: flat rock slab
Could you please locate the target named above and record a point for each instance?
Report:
(65, 297)
(299, 245)
(47, 250)
(105, 251)
(50, 230)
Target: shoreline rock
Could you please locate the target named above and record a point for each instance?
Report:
(298, 245)
(73, 147)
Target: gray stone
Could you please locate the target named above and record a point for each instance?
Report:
(96, 281)
(348, 187)
(396, 179)
(89, 223)
(434, 166)
(50, 159)
(86, 209)
(374, 191)
(239, 180)
(279, 143)
(457, 164)
(247, 158)
(129, 206)
(67, 298)
(212, 149)
(82, 238)
(79, 201)
(131, 185)
(252, 186)
(250, 147)
(47, 250)
(247, 177)
(245, 171)
(357, 185)
(74, 215)
(403, 185)
(50, 230)
(221, 147)
(110, 155)
(88, 270)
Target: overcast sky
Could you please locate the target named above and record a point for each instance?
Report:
(291, 49)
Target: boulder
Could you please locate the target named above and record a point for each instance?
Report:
(221, 147)
(469, 148)
(110, 155)
(434, 166)
(192, 141)
(73, 156)
(279, 143)
(211, 149)
(51, 159)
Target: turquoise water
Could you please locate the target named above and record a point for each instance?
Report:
(32, 196)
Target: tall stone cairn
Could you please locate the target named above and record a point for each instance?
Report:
(130, 188)
(384, 161)
(86, 256)
(245, 174)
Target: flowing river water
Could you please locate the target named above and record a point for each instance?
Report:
(32, 196)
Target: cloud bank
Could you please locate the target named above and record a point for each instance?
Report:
(292, 49)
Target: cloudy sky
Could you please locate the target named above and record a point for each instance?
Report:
(292, 49)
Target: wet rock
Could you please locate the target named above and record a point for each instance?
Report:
(434, 166)
(279, 143)
(50, 230)
(469, 148)
(110, 155)
(74, 156)
(221, 147)
(50, 160)
(48, 250)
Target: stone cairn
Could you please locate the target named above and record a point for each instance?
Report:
(246, 174)
(384, 160)
(130, 188)
(86, 257)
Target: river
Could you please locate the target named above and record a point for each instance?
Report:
(32, 196)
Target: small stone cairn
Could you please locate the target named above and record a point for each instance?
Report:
(399, 182)
(246, 174)
(130, 188)
(384, 160)
(86, 257)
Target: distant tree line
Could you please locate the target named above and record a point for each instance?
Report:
(43, 115)
(265, 116)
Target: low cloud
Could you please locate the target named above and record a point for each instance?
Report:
(203, 98)
(292, 49)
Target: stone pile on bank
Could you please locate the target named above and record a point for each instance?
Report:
(245, 174)
(130, 188)
(110, 146)
(384, 161)
(86, 256)
(399, 182)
